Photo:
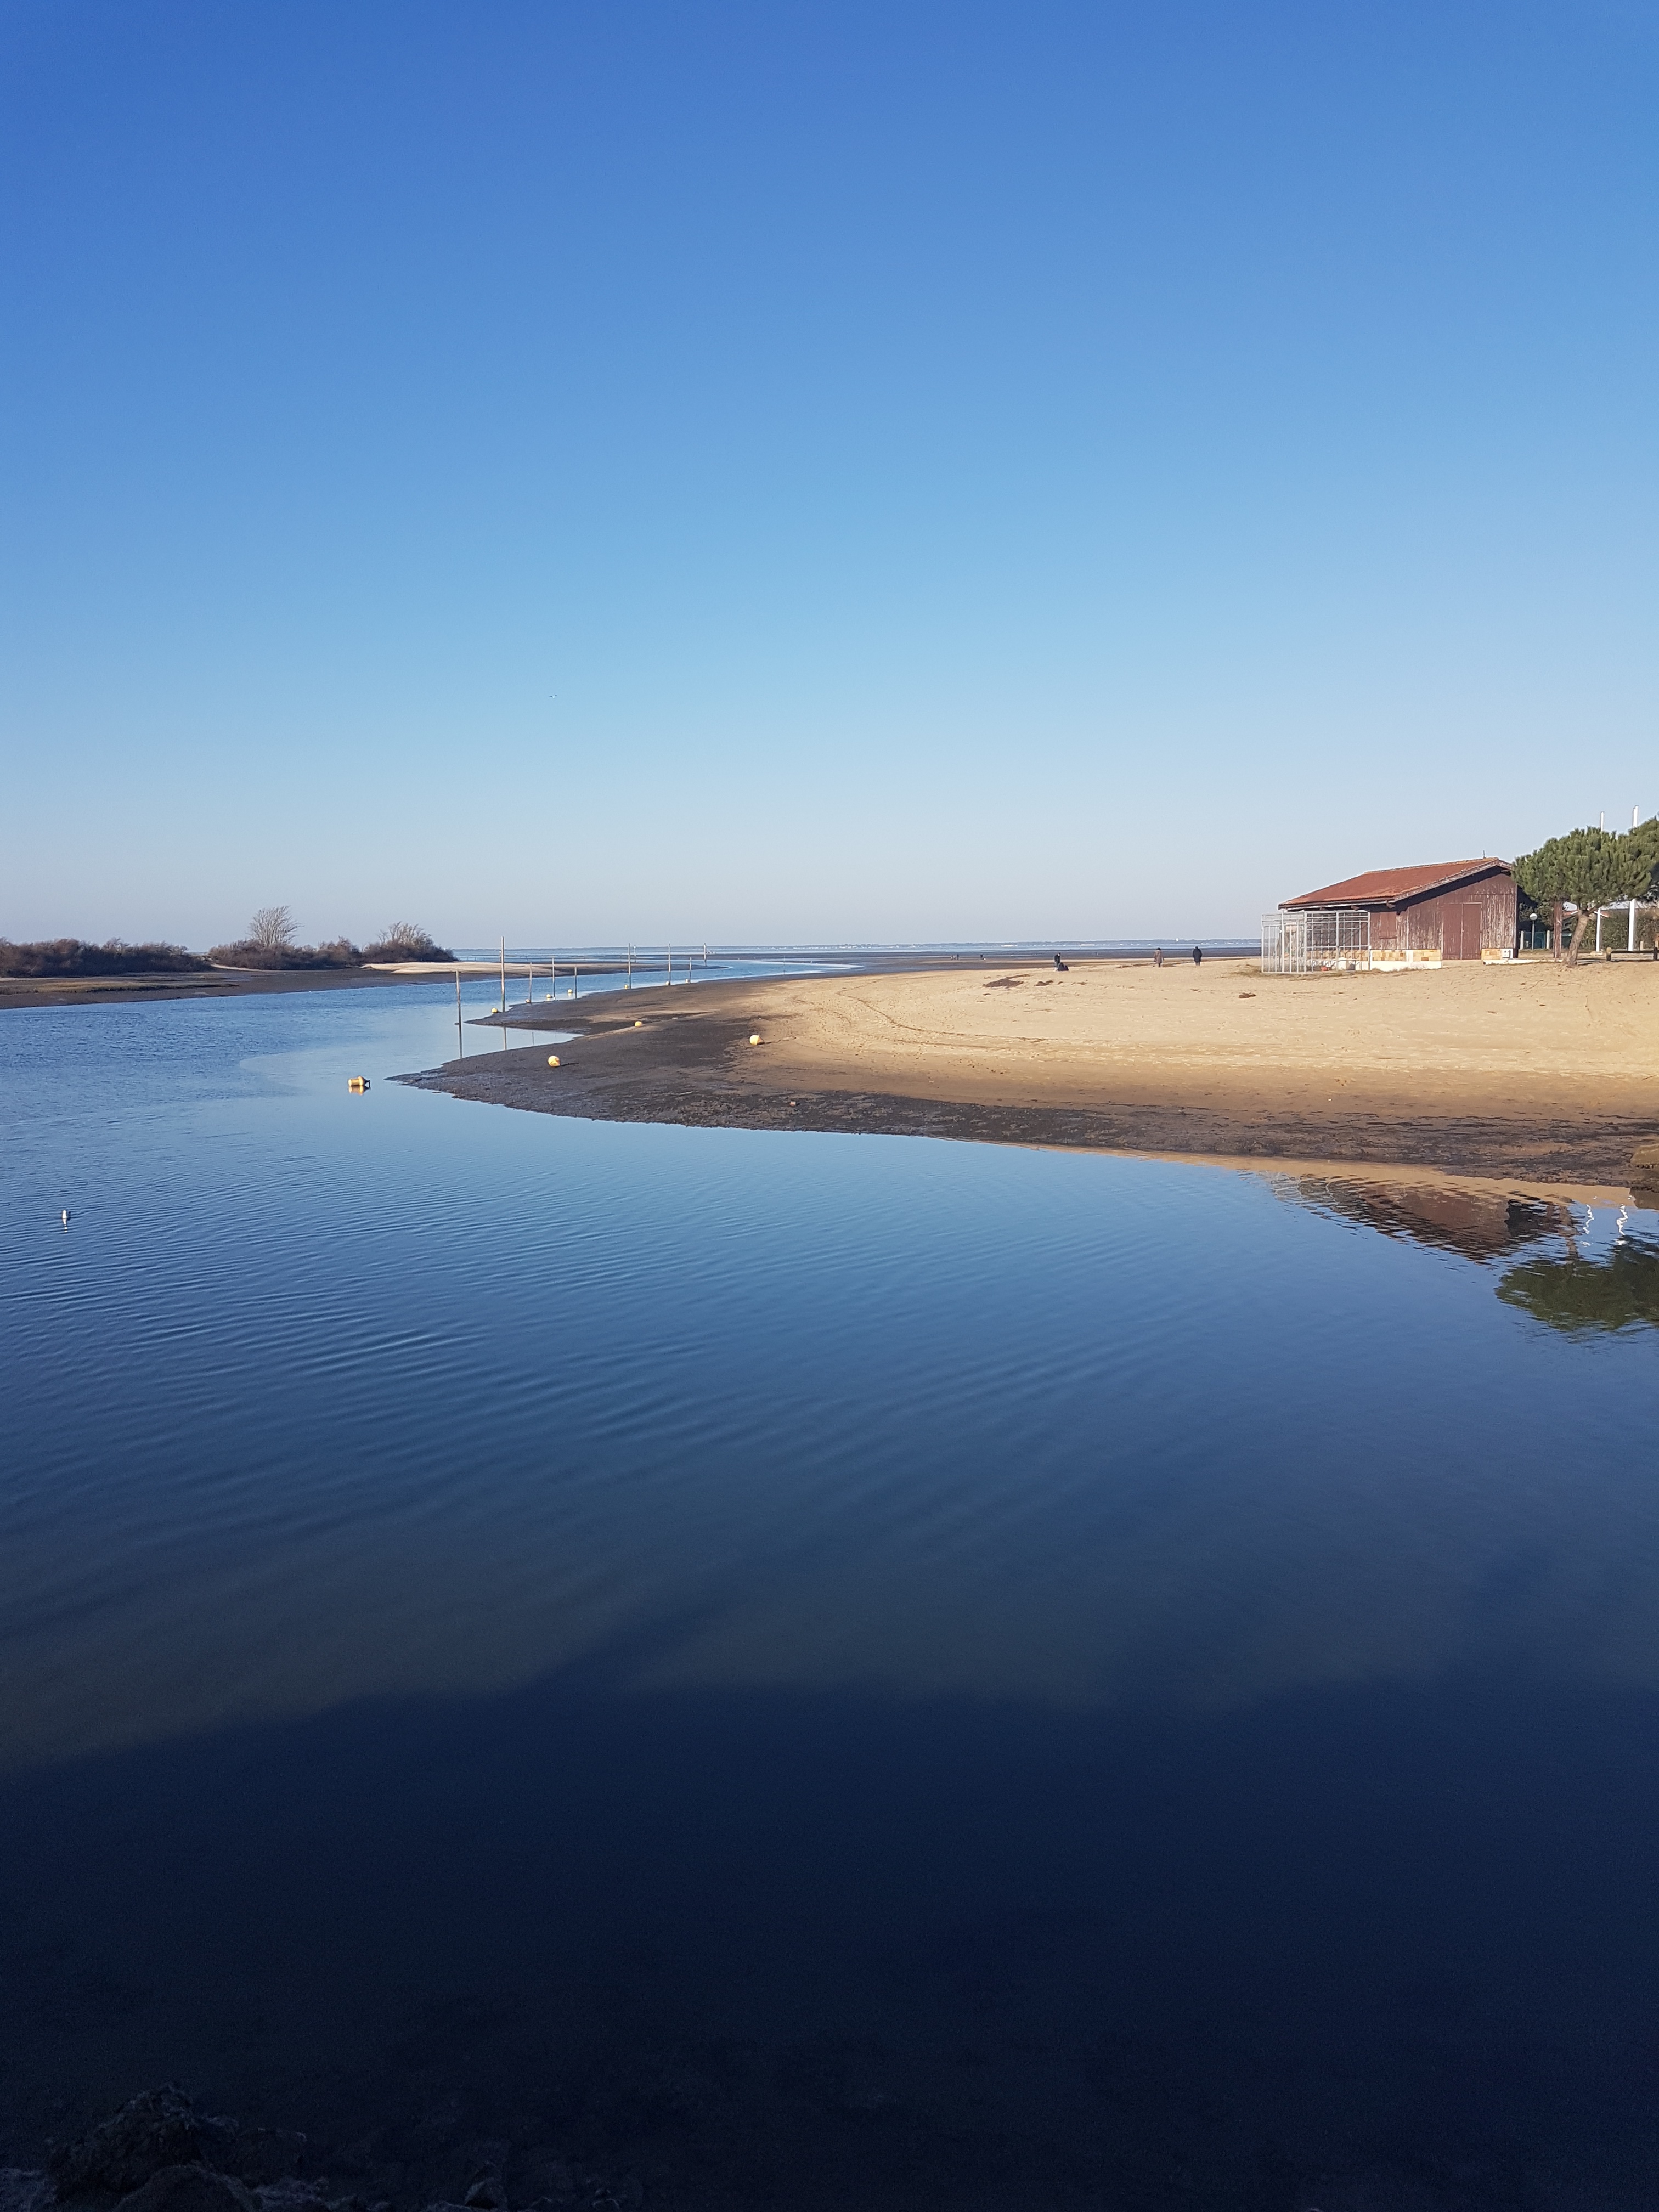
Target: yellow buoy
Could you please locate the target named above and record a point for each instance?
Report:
(754, 1037)
(639, 1025)
(552, 1059)
(357, 1083)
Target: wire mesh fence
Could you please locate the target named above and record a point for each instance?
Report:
(1302, 943)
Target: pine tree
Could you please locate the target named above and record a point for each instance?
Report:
(1589, 868)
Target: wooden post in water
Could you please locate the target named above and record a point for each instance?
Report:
(460, 1034)
(670, 967)
(503, 975)
(628, 985)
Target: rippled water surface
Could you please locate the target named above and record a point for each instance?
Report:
(810, 1670)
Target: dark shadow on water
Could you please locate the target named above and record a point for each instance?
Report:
(1394, 1945)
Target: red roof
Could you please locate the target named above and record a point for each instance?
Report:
(1396, 887)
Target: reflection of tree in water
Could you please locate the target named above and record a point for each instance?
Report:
(1481, 1224)
(1619, 1290)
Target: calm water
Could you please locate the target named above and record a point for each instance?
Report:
(809, 1670)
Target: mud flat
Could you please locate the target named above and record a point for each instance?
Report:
(207, 983)
(1527, 1073)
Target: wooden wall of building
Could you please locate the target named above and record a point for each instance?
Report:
(1458, 925)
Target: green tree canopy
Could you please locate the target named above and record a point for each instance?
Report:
(1589, 868)
(1645, 841)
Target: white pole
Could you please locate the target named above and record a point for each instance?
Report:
(1629, 929)
(503, 975)
(1598, 929)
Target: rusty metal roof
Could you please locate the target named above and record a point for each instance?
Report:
(1396, 887)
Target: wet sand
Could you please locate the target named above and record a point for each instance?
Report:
(1526, 1072)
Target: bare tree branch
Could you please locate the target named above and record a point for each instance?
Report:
(273, 928)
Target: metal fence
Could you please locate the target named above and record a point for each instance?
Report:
(1301, 944)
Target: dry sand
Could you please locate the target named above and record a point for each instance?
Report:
(1524, 1069)
(1531, 1039)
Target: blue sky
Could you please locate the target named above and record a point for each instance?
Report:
(599, 470)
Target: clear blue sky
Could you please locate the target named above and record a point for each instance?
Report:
(588, 470)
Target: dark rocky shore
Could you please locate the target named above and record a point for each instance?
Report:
(160, 2154)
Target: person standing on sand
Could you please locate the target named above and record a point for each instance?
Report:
(1157, 958)
(1197, 956)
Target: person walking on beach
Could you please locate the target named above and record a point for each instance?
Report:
(1157, 958)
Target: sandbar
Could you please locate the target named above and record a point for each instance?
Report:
(17, 991)
(1527, 1070)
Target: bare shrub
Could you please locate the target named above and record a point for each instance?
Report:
(72, 956)
(272, 929)
(405, 940)
(343, 953)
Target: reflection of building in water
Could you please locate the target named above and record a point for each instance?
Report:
(1565, 1285)
(1481, 1224)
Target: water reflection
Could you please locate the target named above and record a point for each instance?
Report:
(1579, 1290)
(1583, 1273)
(866, 1671)
(1481, 1222)
(434, 1398)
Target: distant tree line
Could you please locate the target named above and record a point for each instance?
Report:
(272, 941)
(72, 956)
(1589, 868)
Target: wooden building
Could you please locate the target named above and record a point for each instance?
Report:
(1459, 909)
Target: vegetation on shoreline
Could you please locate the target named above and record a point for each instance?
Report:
(246, 953)
(72, 956)
(405, 940)
(273, 942)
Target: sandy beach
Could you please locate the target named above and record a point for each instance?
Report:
(1526, 1070)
